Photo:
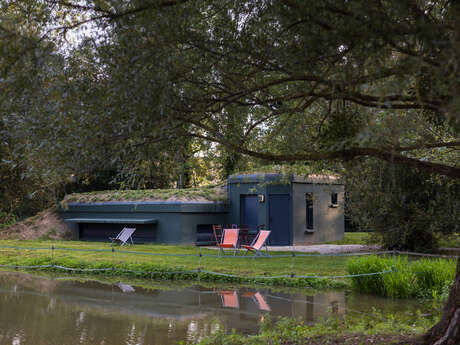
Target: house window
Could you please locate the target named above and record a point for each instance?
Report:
(309, 210)
(334, 200)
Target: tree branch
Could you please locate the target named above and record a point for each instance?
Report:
(346, 154)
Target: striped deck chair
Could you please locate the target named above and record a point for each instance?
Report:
(229, 241)
(258, 243)
(123, 236)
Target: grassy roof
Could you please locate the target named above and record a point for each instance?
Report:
(201, 194)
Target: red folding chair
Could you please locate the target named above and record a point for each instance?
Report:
(229, 241)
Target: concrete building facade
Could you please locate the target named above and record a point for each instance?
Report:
(297, 210)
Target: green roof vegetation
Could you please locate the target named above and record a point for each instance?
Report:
(200, 194)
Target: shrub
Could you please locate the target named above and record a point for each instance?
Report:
(6, 220)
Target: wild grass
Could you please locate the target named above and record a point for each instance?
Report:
(421, 278)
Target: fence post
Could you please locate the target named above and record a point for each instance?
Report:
(17, 257)
(113, 261)
(394, 260)
(292, 263)
(199, 265)
(52, 255)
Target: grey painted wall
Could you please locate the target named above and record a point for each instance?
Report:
(176, 222)
(328, 223)
(253, 186)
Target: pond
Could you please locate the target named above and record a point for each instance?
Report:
(42, 310)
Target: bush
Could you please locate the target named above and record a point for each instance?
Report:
(422, 278)
(6, 220)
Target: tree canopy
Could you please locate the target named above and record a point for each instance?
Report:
(119, 85)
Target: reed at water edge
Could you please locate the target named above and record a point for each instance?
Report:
(427, 278)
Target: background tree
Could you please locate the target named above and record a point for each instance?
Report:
(404, 208)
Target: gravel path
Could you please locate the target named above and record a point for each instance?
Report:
(327, 248)
(323, 248)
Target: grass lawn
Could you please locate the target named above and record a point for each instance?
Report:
(248, 267)
(452, 241)
(354, 238)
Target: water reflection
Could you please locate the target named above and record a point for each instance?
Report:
(125, 287)
(259, 300)
(36, 310)
(229, 299)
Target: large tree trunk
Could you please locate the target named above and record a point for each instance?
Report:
(447, 330)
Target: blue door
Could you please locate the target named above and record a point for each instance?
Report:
(249, 212)
(279, 217)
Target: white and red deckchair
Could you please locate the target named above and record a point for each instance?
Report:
(259, 242)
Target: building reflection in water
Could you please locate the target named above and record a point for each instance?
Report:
(95, 313)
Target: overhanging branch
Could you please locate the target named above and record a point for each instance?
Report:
(391, 156)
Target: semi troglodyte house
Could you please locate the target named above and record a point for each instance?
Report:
(298, 210)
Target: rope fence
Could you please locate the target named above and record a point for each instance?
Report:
(199, 270)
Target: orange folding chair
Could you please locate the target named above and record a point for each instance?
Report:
(229, 241)
(259, 242)
(229, 299)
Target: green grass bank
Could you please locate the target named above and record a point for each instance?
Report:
(347, 331)
(427, 278)
(160, 262)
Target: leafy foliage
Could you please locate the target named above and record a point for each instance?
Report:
(404, 208)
